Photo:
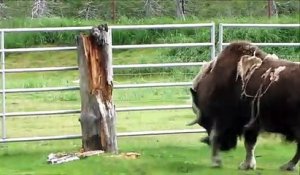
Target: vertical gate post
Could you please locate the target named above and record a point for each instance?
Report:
(98, 115)
(220, 38)
(3, 125)
(213, 40)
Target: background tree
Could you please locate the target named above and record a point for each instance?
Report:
(272, 8)
(3, 10)
(152, 8)
(39, 9)
(180, 9)
(113, 10)
(89, 11)
(125, 9)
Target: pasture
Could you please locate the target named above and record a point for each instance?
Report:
(160, 155)
(172, 154)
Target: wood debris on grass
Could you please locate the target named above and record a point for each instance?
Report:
(58, 158)
(128, 155)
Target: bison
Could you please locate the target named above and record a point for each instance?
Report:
(245, 91)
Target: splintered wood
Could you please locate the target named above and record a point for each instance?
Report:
(59, 158)
(128, 155)
(97, 77)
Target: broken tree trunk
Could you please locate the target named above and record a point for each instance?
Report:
(98, 113)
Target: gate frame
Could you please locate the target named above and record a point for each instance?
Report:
(5, 91)
(222, 26)
(211, 44)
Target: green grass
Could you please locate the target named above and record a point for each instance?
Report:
(32, 39)
(160, 155)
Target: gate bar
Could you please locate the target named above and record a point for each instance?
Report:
(120, 86)
(76, 111)
(122, 134)
(124, 66)
(271, 44)
(262, 25)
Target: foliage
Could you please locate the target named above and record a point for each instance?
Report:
(163, 8)
(27, 39)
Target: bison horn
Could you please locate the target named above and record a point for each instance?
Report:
(193, 122)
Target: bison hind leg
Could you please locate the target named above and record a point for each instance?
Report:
(205, 140)
(291, 165)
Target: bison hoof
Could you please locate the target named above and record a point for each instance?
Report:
(248, 165)
(217, 163)
(288, 167)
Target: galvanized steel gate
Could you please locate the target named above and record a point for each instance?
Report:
(210, 44)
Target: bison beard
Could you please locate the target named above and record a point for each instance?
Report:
(245, 91)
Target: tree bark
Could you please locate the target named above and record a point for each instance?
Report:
(148, 8)
(113, 10)
(179, 9)
(98, 114)
(272, 8)
(152, 8)
(39, 9)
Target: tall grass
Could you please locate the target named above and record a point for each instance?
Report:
(30, 39)
(27, 39)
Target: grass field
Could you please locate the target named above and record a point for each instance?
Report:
(160, 155)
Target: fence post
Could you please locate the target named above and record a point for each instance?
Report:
(98, 113)
(220, 38)
(3, 125)
(213, 40)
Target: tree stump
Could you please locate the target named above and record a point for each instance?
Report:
(98, 113)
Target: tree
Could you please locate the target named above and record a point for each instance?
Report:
(152, 8)
(98, 113)
(180, 9)
(113, 10)
(39, 9)
(272, 8)
(3, 10)
(89, 11)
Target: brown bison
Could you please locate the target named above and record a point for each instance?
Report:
(242, 92)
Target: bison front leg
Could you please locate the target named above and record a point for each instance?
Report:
(249, 143)
(215, 156)
(249, 162)
(290, 166)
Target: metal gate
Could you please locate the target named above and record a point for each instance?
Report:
(5, 71)
(211, 43)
